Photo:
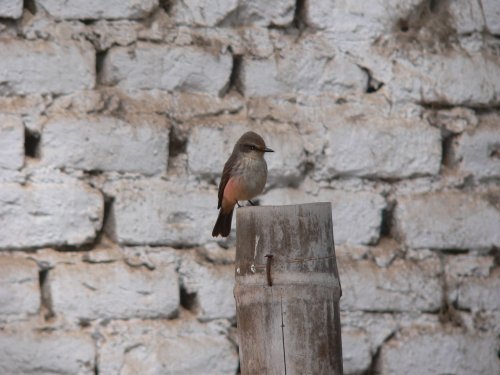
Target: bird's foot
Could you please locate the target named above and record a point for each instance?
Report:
(239, 205)
(253, 204)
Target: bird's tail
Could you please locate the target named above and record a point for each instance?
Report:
(223, 224)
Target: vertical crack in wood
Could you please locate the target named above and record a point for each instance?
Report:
(283, 334)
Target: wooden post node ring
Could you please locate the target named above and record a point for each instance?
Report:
(287, 291)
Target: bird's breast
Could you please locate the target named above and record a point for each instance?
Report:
(253, 173)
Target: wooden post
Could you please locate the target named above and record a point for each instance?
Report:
(287, 291)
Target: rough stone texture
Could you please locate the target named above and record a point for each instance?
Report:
(211, 286)
(106, 144)
(449, 221)
(455, 120)
(354, 20)
(429, 78)
(411, 147)
(151, 66)
(214, 13)
(11, 8)
(491, 11)
(179, 347)
(217, 140)
(264, 13)
(30, 67)
(469, 265)
(310, 67)
(357, 216)
(403, 286)
(356, 351)
(439, 353)
(479, 293)
(25, 351)
(95, 9)
(466, 16)
(344, 138)
(157, 212)
(376, 328)
(49, 214)
(19, 291)
(116, 118)
(115, 290)
(209, 13)
(477, 152)
(11, 142)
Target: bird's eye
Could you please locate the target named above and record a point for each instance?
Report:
(252, 148)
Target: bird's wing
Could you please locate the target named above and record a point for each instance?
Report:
(226, 175)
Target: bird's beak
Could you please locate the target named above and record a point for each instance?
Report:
(267, 149)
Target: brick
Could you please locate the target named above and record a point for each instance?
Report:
(51, 214)
(207, 13)
(439, 352)
(264, 13)
(429, 78)
(357, 216)
(465, 16)
(213, 287)
(356, 351)
(447, 221)
(19, 290)
(469, 265)
(311, 66)
(95, 9)
(29, 67)
(215, 13)
(27, 351)
(354, 20)
(402, 286)
(378, 327)
(11, 142)
(351, 19)
(479, 293)
(152, 66)
(366, 146)
(477, 152)
(11, 8)
(113, 291)
(344, 139)
(473, 284)
(284, 166)
(106, 143)
(158, 212)
(154, 347)
(491, 11)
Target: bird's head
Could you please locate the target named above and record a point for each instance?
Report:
(252, 145)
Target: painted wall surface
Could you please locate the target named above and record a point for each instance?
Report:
(116, 118)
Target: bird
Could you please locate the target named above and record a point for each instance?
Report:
(243, 178)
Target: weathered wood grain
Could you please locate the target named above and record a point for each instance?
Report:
(287, 312)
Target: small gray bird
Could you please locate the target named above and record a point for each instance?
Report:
(243, 178)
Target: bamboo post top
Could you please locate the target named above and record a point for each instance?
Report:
(289, 240)
(287, 291)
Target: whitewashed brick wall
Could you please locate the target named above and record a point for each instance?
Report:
(117, 116)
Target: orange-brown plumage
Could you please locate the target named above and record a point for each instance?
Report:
(244, 177)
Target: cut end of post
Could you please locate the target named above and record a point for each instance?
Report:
(294, 235)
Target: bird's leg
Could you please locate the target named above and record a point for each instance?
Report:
(249, 201)
(238, 204)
